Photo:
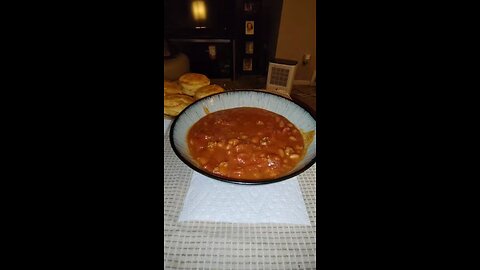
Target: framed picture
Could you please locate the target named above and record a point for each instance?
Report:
(249, 47)
(248, 7)
(247, 64)
(212, 52)
(249, 27)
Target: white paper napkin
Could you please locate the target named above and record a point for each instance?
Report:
(166, 125)
(212, 200)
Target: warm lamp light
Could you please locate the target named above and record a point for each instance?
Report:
(199, 10)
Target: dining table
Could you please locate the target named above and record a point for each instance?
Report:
(223, 245)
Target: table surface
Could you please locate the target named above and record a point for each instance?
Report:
(214, 245)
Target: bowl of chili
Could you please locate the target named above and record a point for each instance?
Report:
(245, 137)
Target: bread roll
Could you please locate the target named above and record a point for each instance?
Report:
(174, 104)
(208, 91)
(191, 82)
(170, 88)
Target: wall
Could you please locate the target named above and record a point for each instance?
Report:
(297, 35)
(274, 13)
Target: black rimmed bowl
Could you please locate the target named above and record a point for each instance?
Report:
(295, 113)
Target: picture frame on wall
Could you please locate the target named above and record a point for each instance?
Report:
(249, 27)
(249, 47)
(247, 64)
(248, 7)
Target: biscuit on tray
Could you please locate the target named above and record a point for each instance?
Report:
(191, 82)
(208, 91)
(174, 104)
(170, 88)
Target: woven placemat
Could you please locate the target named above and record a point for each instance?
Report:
(209, 245)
